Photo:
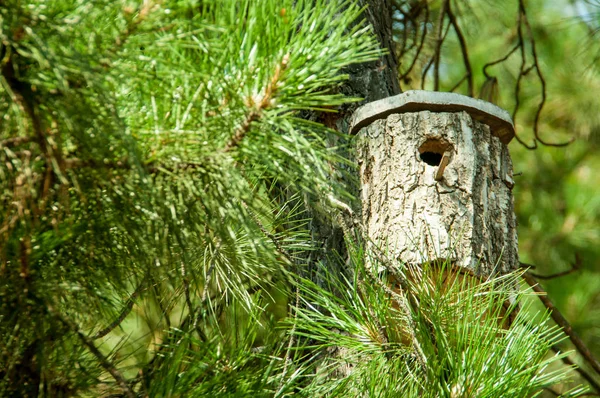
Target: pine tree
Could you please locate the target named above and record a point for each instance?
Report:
(163, 166)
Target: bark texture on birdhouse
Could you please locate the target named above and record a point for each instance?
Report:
(437, 186)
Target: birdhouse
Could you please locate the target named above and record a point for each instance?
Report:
(437, 179)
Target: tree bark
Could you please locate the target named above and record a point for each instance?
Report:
(370, 81)
(376, 80)
(437, 187)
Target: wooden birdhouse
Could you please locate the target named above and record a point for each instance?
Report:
(436, 180)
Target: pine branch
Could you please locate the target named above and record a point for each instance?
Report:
(126, 310)
(258, 105)
(403, 303)
(142, 14)
(103, 360)
(563, 323)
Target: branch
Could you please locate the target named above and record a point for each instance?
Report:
(463, 48)
(126, 310)
(404, 37)
(576, 266)
(73, 163)
(457, 85)
(14, 141)
(133, 25)
(511, 52)
(563, 323)
(258, 106)
(404, 304)
(578, 369)
(523, 20)
(542, 81)
(416, 57)
(424, 74)
(291, 341)
(411, 17)
(551, 391)
(159, 301)
(23, 96)
(188, 299)
(521, 45)
(242, 130)
(426, 69)
(291, 261)
(438, 46)
(104, 362)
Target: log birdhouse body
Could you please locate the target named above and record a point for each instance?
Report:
(436, 180)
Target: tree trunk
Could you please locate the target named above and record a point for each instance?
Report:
(375, 80)
(437, 187)
(370, 81)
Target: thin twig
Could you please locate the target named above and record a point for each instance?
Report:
(188, 298)
(14, 141)
(567, 361)
(23, 96)
(404, 36)
(414, 33)
(276, 242)
(291, 261)
(159, 301)
(463, 48)
(73, 163)
(576, 266)
(188, 301)
(126, 310)
(542, 81)
(424, 73)
(438, 46)
(521, 46)
(291, 342)
(457, 85)
(551, 391)
(511, 52)
(563, 323)
(420, 48)
(104, 362)
(426, 69)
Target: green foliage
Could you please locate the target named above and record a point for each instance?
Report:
(155, 181)
(445, 335)
(152, 158)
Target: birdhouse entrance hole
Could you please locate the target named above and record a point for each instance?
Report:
(432, 150)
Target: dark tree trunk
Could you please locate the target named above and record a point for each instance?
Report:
(370, 81)
(376, 80)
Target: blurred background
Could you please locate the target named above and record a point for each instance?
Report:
(542, 66)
